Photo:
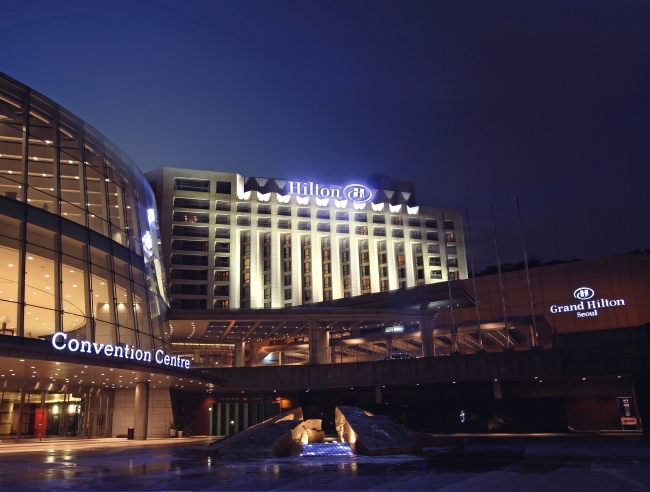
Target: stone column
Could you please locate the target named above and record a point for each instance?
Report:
(426, 330)
(313, 341)
(280, 358)
(240, 348)
(323, 346)
(141, 411)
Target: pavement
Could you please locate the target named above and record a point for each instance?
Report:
(467, 463)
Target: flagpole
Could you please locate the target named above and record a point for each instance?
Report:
(530, 288)
(503, 297)
(454, 336)
(471, 260)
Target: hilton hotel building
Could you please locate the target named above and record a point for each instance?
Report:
(232, 241)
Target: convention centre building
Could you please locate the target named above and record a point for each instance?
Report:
(84, 340)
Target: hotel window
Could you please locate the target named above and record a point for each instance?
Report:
(191, 203)
(435, 274)
(223, 206)
(449, 225)
(384, 285)
(402, 273)
(244, 207)
(266, 238)
(267, 264)
(451, 250)
(342, 216)
(267, 278)
(222, 247)
(221, 290)
(307, 252)
(362, 230)
(246, 278)
(327, 295)
(365, 271)
(346, 269)
(434, 261)
(246, 292)
(308, 295)
(452, 262)
(267, 293)
(453, 275)
(433, 248)
(322, 214)
(285, 211)
(304, 212)
(327, 267)
(307, 281)
(380, 231)
(287, 294)
(383, 272)
(431, 223)
(323, 227)
(246, 249)
(307, 267)
(287, 280)
(263, 222)
(222, 261)
(345, 256)
(398, 233)
(414, 222)
(432, 236)
(383, 258)
(347, 283)
(221, 304)
(201, 185)
(415, 235)
(266, 251)
(304, 226)
(287, 266)
(343, 229)
(400, 260)
(365, 284)
(418, 261)
(286, 251)
(220, 276)
(284, 224)
(361, 217)
(365, 257)
(223, 187)
(264, 209)
(451, 237)
(326, 254)
(327, 282)
(222, 219)
(345, 243)
(222, 233)
(378, 219)
(396, 220)
(191, 218)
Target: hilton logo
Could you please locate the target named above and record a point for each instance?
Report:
(591, 308)
(584, 293)
(357, 193)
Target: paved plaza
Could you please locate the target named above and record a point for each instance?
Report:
(498, 463)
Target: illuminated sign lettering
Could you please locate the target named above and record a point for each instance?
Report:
(586, 308)
(353, 192)
(125, 352)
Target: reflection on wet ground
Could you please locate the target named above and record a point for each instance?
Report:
(480, 463)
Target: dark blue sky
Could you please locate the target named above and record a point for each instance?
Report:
(475, 103)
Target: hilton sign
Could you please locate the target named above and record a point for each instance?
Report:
(353, 192)
(586, 307)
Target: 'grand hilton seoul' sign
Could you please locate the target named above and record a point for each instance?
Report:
(587, 305)
(125, 352)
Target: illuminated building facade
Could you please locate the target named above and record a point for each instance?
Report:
(235, 242)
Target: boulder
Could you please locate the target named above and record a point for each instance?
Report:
(268, 439)
(309, 432)
(373, 435)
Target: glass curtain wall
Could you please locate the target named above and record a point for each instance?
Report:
(107, 287)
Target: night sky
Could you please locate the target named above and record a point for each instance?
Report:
(475, 103)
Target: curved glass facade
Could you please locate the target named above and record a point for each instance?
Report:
(79, 235)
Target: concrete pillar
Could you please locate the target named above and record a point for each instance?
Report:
(496, 386)
(141, 411)
(426, 331)
(333, 355)
(389, 347)
(323, 346)
(245, 423)
(313, 341)
(197, 357)
(280, 358)
(240, 347)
